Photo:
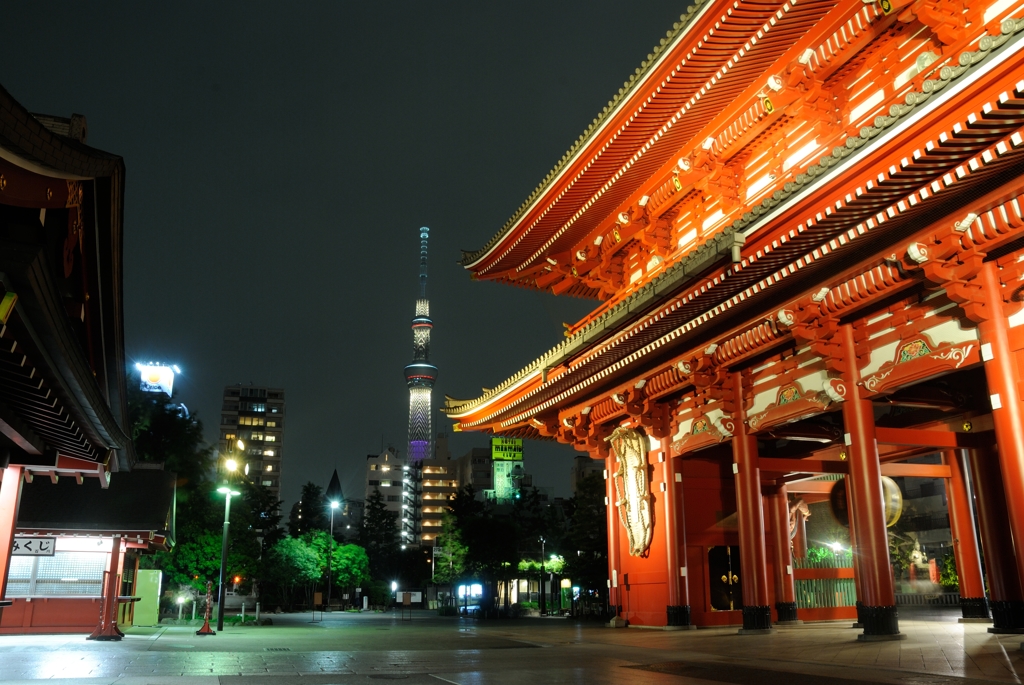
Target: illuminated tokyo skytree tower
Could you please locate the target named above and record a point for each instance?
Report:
(421, 374)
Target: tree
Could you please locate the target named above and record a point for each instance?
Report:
(586, 546)
(379, 536)
(351, 566)
(291, 563)
(310, 512)
(450, 563)
(164, 433)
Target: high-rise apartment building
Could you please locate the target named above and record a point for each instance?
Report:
(254, 415)
(384, 473)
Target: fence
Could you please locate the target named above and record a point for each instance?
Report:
(937, 599)
(823, 592)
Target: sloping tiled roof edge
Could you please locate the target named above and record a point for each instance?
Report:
(653, 58)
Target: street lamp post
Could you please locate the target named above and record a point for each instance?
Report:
(330, 554)
(231, 465)
(543, 606)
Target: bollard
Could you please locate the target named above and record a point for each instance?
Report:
(243, 614)
(193, 609)
(257, 613)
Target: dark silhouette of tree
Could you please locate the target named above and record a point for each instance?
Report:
(310, 512)
(379, 537)
(586, 546)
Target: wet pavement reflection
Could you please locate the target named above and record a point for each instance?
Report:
(361, 648)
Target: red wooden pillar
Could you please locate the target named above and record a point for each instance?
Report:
(613, 538)
(1007, 599)
(10, 498)
(856, 558)
(1004, 395)
(973, 603)
(777, 506)
(878, 614)
(675, 539)
(107, 628)
(757, 614)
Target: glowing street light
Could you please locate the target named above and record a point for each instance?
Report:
(231, 465)
(330, 549)
(228, 493)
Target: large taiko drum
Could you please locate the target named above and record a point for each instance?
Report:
(891, 496)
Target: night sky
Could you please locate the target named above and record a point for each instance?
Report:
(282, 157)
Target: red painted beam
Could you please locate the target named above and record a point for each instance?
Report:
(801, 466)
(916, 470)
(827, 467)
(925, 438)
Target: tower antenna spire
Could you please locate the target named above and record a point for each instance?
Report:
(424, 235)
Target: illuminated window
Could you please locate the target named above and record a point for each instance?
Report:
(63, 574)
(268, 453)
(256, 435)
(373, 467)
(271, 424)
(270, 467)
(271, 438)
(230, 436)
(385, 468)
(385, 484)
(270, 483)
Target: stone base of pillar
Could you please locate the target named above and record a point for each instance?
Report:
(618, 622)
(756, 620)
(880, 621)
(786, 611)
(1007, 617)
(678, 615)
(975, 608)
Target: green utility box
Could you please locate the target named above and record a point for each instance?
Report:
(147, 588)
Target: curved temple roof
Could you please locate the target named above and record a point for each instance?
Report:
(495, 404)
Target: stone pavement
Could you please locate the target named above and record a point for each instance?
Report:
(346, 649)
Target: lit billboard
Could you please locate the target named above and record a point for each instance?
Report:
(156, 378)
(506, 449)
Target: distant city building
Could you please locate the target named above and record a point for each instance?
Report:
(384, 473)
(439, 483)
(254, 415)
(474, 468)
(496, 472)
(351, 517)
(583, 466)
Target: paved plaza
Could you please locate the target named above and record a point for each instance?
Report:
(360, 648)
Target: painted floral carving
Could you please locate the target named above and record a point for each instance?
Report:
(788, 394)
(917, 359)
(913, 350)
(792, 404)
(632, 487)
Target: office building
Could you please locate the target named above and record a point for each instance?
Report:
(255, 415)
